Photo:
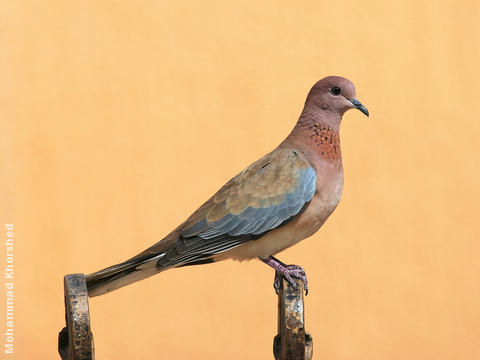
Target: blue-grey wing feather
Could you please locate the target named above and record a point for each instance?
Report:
(247, 222)
(205, 238)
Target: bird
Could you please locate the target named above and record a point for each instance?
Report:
(277, 201)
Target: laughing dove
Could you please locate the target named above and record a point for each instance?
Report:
(274, 203)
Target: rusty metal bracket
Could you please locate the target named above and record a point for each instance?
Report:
(75, 341)
(292, 342)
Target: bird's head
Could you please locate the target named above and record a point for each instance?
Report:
(334, 94)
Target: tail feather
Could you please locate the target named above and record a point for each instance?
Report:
(117, 276)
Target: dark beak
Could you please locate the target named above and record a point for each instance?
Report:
(359, 106)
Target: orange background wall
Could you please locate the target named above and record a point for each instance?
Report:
(118, 119)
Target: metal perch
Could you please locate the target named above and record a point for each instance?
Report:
(75, 341)
(293, 342)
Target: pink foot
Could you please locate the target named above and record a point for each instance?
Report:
(288, 272)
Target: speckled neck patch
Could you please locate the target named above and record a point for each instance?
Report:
(326, 140)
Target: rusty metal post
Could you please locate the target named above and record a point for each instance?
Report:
(75, 341)
(292, 342)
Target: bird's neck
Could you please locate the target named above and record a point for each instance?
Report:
(317, 134)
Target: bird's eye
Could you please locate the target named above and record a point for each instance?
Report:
(336, 91)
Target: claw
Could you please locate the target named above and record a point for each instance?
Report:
(277, 283)
(287, 272)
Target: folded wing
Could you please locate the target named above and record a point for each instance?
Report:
(266, 195)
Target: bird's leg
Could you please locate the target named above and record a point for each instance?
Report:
(287, 272)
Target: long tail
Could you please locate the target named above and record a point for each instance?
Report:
(117, 276)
